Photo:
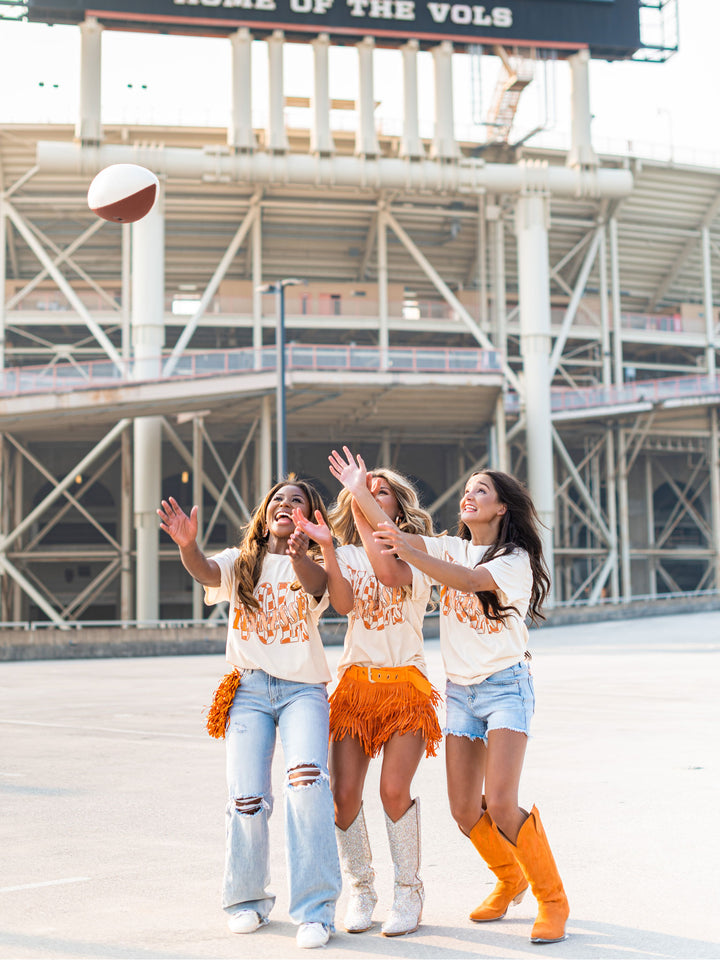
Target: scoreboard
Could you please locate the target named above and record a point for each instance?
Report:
(610, 29)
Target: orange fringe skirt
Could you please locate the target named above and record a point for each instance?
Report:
(372, 708)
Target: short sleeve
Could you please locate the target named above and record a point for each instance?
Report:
(226, 562)
(512, 574)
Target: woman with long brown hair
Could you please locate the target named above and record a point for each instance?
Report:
(276, 593)
(384, 702)
(492, 575)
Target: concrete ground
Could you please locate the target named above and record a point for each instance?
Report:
(111, 832)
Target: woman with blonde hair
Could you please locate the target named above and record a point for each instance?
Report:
(276, 593)
(384, 702)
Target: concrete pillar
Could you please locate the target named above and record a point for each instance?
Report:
(4, 521)
(382, 273)
(411, 145)
(444, 144)
(126, 526)
(264, 449)
(532, 219)
(88, 128)
(257, 272)
(650, 525)
(197, 496)
(240, 134)
(708, 304)
(277, 140)
(714, 464)
(3, 298)
(581, 153)
(366, 144)
(624, 512)
(148, 313)
(321, 141)
(126, 295)
(616, 306)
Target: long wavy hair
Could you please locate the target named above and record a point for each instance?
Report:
(519, 529)
(253, 545)
(412, 518)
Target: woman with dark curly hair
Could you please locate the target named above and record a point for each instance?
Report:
(277, 593)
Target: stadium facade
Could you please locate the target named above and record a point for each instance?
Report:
(547, 312)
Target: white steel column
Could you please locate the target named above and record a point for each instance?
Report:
(257, 272)
(581, 153)
(650, 526)
(714, 464)
(532, 219)
(444, 145)
(321, 140)
(240, 134)
(126, 526)
(126, 295)
(88, 128)
(410, 144)
(616, 306)
(197, 494)
(611, 489)
(148, 316)
(366, 143)
(3, 256)
(264, 449)
(624, 510)
(708, 303)
(382, 275)
(277, 141)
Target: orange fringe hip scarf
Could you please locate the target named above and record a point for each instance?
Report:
(219, 712)
(372, 704)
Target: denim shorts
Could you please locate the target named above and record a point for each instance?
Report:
(503, 701)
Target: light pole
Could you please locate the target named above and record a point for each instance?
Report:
(279, 288)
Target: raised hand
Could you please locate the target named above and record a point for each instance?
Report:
(319, 532)
(177, 524)
(349, 470)
(394, 541)
(298, 543)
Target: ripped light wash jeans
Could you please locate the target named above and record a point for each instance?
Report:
(262, 705)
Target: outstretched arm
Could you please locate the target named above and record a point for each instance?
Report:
(183, 530)
(453, 575)
(389, 569)
(339, 590)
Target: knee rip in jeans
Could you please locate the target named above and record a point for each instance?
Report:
(249, 806)
(304, 775)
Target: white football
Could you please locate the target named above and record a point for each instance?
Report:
(123, 192)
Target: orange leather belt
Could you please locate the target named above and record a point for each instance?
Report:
(391, 675)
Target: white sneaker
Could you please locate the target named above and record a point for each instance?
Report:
(245, 921)
(312, 935)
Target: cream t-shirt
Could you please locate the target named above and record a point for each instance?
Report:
(474, 647)
(385, 623)
(282, 636)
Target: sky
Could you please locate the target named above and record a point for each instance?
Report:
(648, 109)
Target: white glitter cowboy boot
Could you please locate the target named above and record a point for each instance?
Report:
(356, 863)
(404, 837)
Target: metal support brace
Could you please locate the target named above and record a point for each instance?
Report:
(212, 287)
(572, 306)
(580, 486)
(63, 285)
(447, 293)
